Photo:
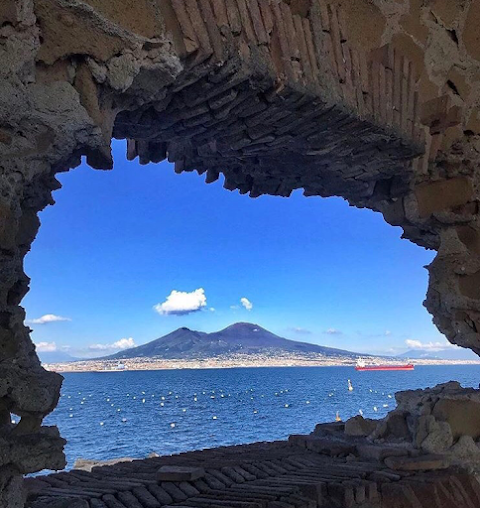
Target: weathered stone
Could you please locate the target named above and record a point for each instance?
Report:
(359, 426)
(443, 195)
(393, 427)
(291, 477)
(447, 11)
(360, 14)
(138, 16)
(422, 463)
(465, 449)
(333, 428)
(324, 445)
(407, 47)
(463, 416)
(380, 452)
(72, 502)
(88, 465)
(276, 96)
(9, 12)
(397, 426)
(413, 24)
(471, 37)
(66, 31)
(439, 437)
(179, 474)
(457, 80)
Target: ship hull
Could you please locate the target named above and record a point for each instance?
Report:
(387, 367)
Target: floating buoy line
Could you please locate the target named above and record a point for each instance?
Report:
(166, 403)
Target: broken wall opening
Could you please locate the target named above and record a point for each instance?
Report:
(389, 122)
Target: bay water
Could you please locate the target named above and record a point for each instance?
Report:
(105, 415)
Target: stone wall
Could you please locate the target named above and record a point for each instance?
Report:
(305, 472)
(440, 423)
(373, 100)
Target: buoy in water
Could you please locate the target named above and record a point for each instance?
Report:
(350, 387)
(337, 417)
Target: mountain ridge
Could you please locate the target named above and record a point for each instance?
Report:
(56, 357)
(240, 338)
(440, 354)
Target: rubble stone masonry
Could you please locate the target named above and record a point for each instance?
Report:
(377, 101)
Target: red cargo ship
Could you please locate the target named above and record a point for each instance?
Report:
(362, 366)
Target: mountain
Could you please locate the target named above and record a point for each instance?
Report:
(442, 354)
(55, 357)
(243, 338)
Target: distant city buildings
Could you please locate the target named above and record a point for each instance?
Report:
(227, 361)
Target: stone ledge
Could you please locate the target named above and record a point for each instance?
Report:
(261, 475)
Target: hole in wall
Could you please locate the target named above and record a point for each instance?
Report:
(118, 242)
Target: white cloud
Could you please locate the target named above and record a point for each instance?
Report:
(333, 331)
(246, 303)
(46, 347)
(387, 333)
(429, 346)
(119, 344)
(48, 318)
(181, 302)
(393, 350)
(300, 331)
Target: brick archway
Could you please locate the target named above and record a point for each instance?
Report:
(276, 96)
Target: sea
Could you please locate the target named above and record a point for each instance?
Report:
(106, 415)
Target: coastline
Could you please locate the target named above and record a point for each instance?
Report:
(239, 361)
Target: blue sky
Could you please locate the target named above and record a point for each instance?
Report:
(117, 243)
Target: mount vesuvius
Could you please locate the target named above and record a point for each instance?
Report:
(244, 338)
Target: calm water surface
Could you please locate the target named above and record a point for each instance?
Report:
(105, 415)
